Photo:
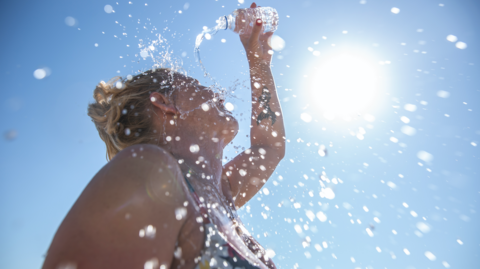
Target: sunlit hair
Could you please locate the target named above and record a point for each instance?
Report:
(122, 112)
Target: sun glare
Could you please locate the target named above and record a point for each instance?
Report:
(344, 86)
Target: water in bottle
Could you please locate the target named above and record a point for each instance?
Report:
(240, 21)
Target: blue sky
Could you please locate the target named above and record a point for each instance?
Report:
(50, 149)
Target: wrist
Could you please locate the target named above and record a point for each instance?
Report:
(259, 67)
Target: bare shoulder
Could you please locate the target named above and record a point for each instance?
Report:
(129, 209)
(146, 154)
(144, 166)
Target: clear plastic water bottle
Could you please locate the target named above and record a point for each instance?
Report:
(240, 21)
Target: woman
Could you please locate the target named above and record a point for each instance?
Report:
(164, 200)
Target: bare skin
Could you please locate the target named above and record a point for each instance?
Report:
(143, 187)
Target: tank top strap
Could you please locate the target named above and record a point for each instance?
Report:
(201, 205)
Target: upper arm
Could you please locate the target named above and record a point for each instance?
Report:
(125, 216)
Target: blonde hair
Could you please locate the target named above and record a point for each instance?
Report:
(122, 111)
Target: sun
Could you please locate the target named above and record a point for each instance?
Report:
(345, 85)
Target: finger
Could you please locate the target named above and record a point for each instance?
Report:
(257, 28)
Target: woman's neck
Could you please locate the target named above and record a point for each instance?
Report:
(202, 160)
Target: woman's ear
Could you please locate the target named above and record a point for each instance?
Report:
(161, 102)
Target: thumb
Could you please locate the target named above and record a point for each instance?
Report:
(257, 29)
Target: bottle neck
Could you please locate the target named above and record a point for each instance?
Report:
(226, 22)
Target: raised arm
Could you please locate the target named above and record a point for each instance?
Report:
(249, 171)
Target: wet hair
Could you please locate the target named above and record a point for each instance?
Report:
(122, 111)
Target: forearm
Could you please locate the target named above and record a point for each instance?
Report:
(267, 128)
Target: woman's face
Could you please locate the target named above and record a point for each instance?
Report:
(201, 110)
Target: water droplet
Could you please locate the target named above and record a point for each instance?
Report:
(395, 10)
(310, 215)
(151, 264)
(194, 148)
(205, 107)
(119, 85)
(405, 119)
(298, 228)
(369, 232)
(96, 44)
(461, 45)
(321, 216)
(127, 131)
(178, 253)
(242, 172)
(393, 139)
(414, 214)
(408, 130)
(269, 252)
(424, 227)
(378, 249)
(108, 8)
(277, 43)
(266, 191)
(144, 54)
(306, 117)
(327, 193)
(70, 21)
(430, 255)
(223, 40)
(274, 134)
(208, 36)
(425, 156)
(410, 107)
(180, 213)
(443, 94)
(40, 73)
(229, 106)
(391, 185)
(452, 38)
(406, 251)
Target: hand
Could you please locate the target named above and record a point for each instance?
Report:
(256, 44)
